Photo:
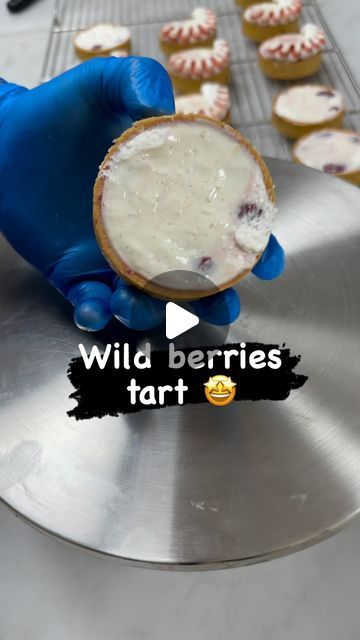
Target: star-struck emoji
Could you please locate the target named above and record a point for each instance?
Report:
(220, 390)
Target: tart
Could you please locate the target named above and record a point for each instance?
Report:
(197, 31)
(101, 40)
(268, 19)
(213, 100)
(293, 56)
(190, 68)
(302, 109)
(183, 193)
(333, 151)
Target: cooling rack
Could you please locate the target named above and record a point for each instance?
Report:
(251, 92)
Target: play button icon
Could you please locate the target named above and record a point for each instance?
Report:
(178, 320)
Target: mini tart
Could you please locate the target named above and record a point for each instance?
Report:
(293, 56)
(101, 40)
(333, 151)
(302, 109)
(268, 19)
(184, 193)
(213, 100)
(189, 69)
(197, 31)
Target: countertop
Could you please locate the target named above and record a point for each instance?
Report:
(49, 591)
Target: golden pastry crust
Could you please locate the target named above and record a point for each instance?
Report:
(278, 70)
(351, 176)
(192, 85)
(246, 3)
(171, 47)
(258, 33)
(86, 54)
(294, 130)
(119, 266)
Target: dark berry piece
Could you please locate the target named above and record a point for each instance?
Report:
(334, 108)
(334, 168)
(250, 208)
(327, 93)
(356, 140)
(325, 134)
(96, 47)
(205, 263)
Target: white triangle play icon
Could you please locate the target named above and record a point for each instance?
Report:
(178, 320)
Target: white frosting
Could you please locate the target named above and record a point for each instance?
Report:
(266, 14)
(119, 53)
(213, 100)
(186, 196)
(291, 47)
(201, 26)
(102, 37)
(309, 104)
(336, 152)
(200, 62)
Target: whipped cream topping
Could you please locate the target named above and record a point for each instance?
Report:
(331, 151)
(186, 196)
(213, 100)
(102, 37)
(270, 14)
(201, 26)
(309, 104)
(292, 47)
(200, 63)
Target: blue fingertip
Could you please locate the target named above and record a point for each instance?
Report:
(135, 309)
(272, 263)
(220, 309)
(92, 314)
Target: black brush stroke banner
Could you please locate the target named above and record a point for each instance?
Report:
(103, 392)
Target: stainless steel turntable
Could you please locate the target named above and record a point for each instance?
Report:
(197, 486)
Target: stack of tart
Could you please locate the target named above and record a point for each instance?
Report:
(198, 64)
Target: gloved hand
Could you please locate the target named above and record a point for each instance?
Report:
(52, 140)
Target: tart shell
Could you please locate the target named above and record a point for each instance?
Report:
(172, 47)
(85, 54)
(119, 266)
(278, 70)
(294, 130)
(246, 3)
(192, 85)
(351, 176)
(259, 33)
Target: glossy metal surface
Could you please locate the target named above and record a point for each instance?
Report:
(197, 485)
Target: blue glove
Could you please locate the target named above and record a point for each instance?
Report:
(53, 139)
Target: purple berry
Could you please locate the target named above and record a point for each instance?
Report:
(326, 93)
(325, 134)
(96, 47)
(334, 168)
(205, 263)
(250, 209)
(356, 140)
(334, 108)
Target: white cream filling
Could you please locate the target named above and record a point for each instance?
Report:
(102, 36)
(330, 150)
(309, 104)
(172, 199)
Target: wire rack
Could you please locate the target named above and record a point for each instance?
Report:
(251, 91)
